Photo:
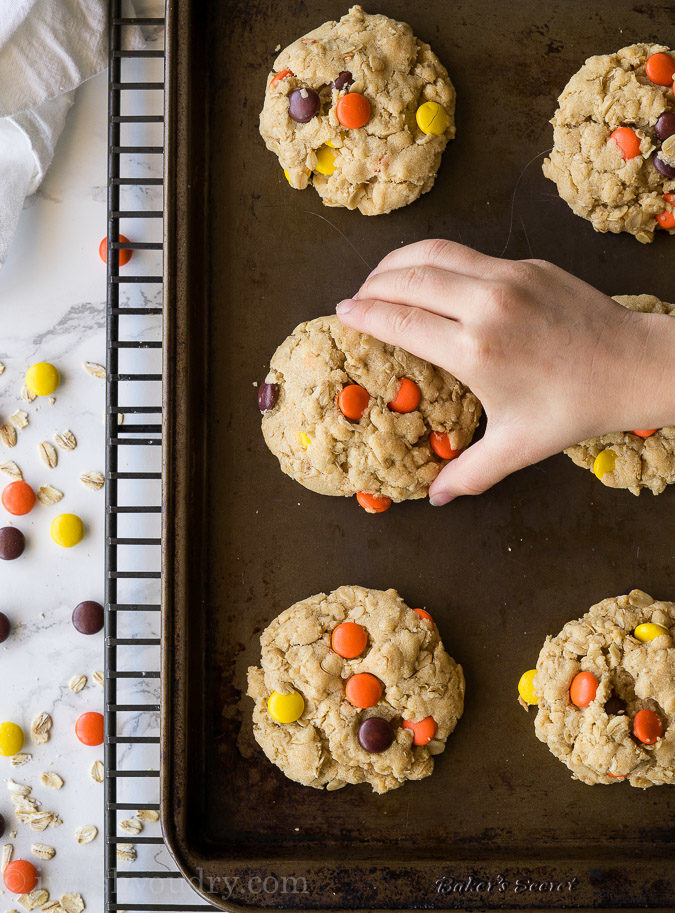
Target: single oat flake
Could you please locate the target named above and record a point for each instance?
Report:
(35, 899)
(19, 419)
(18, 789)
(40, 821)
(97, 772)
(8, 435)
(48, 454)
(52, 906)
(22, 758)
(52, 780)
(65, 440)
(96, 370)
(40, 727)
(27, 395)
(131, 826)
(48, 495)
(147, 815)
(6, 858)
(86, 833)
(2, 367)
(10, 469)
(77, 683)
(72, 903)
(93, 479)
(42, 851)
(97, 678)
(126, 852)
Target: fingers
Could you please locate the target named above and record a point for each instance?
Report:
(480, 467)
(416, 330)
(436, 290)
(447, 255)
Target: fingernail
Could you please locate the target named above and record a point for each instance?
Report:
(440, 499)
(344, 307)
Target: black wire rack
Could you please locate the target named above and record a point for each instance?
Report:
(133, 472)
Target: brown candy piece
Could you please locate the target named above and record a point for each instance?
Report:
(12, 543)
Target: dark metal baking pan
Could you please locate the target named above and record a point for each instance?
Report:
(500, 824)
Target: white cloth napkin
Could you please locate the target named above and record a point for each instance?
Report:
(47, 49)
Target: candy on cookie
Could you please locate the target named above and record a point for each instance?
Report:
(348, 676)
(363, 109)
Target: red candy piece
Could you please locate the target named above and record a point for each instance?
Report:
(424, 731)
(20, 877)
(89, 728)
(583, 689)
(660, 68)
(18, 498)
(124, 255)
(440, 444)
(422, 614)
(627, 140)
(282, 74)
(647, 726)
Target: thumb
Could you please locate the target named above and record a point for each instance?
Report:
(481, 466)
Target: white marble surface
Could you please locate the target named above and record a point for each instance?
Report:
(52, 308)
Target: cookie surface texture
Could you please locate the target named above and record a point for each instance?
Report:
(624, 459)
(325, 746)
(384, 453)
(598, 742)
(375, 107)
(613, 157)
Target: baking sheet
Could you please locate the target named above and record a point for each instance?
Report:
(500, 824)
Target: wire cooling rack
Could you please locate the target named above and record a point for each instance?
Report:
(150, 881)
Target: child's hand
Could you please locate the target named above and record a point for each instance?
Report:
(552, 360)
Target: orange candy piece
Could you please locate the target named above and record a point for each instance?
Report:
(353, 110)
(353, 401)
(627, 140)
(583, 689)
(647, 726)
(440, 444)
(282, 74)
(363, 690)
(124, 255)
(666, 219)
(18, 498)
(660, 68)
(89, 728)
(424, 731)
(645, 433)
(407, 398)
(20, 876)
(617, 776)
(349, 640)
(373, 504)
(423, 614)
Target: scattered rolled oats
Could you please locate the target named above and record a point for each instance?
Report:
(35, 899)
(66, 440)
(8, 435)
(86, 833)
(2, 367)
(11, 469)
(18, 789)
(19, 419)
(77, 683)
(72, 903)
(42, 851)
(131, 826)
(48, 454)
(126, 852)
(52, 780)
(40, 821)
(22, 758)
(48, 495)
(93, 479)
(6, 858)
(56, 821)
(97, 772)
(27, 395)
(97, 678)
(96, 370)
(40, 728)
(147, 815)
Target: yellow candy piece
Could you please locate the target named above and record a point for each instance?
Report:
(432, 118)
(649, 631)
(285, 708)
(325, 160)
(305, 440)
(42, 379)
(329, 142)
(604, 462)
(11, 739)
(67, 530)
(526, 687)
